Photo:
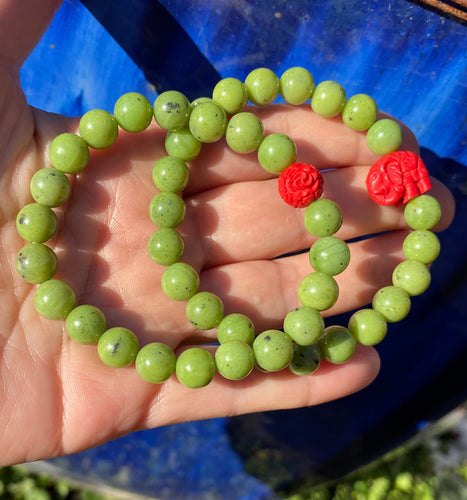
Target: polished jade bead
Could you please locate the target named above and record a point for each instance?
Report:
(36, 223)
(421, 245)
(328, 99)
(36, 263)
(318, 291)
(422, 212)
(167, 209)
(273, 350)
(262, 85)
(359, 112)
(118, 347)
(54, 299)
(384, 137)
(180, 281)
(244, 133)
(322, 218)
(155, 362)
(165, 246)
(98, 128)
(198, 101)
(337, 344)
(231, 94)
(204, 310)
(236, 326)
(306, 359)
(234, 359)
(304, 325)
(133, 112)
(182, 144)
(412, 276)
(296, 85)
(195, 368)
(172, 110)
(276, 153)
(170, 174)
(329, 255)
(208, 122)
(50, 187)
(85, 324)
(368, 326)
(69, 153)
(392, 302)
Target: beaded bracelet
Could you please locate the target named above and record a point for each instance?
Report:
(398, 177)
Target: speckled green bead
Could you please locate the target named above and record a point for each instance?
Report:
(182, 144)
(244, 133)
(172, 110)
(167, 209)
(236, 326)
(421, 245)
(368, 326)
(54, 299)
(69, 153)
(384, 137)
(322, 218)
(118, 347)
(318, 291)
(204, 310)
(337, 344)
(360, 112)
(170, 174)
(273, 350)
(329, 255)
(165, 246)
(296, 85)
(85, 324)
(234, 359)
(328, 99)
(306, 359)
(276, 153)
(422, 212)
(208, 122)
(262, 85)
(231, 94)
(180, 281)
(304, 325)
(133, 112)
(36, 263)
(392, 302)
(50, 187)
(412, 276)
(155, 362)
(195, 368)
(98, 128)
(36, 223)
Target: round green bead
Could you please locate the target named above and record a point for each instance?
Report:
(180, 281)
(155, 362)
(69, 153)
(170, 174)
(98, 128)
(234, 359)
(85, 324)
(421, 245)
(322, 218)
(36, 263)
(273, 350)
(412, 276)
(296, 85)
(167, 209)
(306, 359)
(182, 144)
(133, 112)
(359, 112)
(276, 153)
(318, 291)
(208, 122)
(204, 310)
(244, 133)
(422, 212)
(172, 110)
(36, 223)
(236, 326)
(54, 299)
(198, 101)
(392, 302)
(262, 85)
(231, 94)
(118, 347)
(50, 187)
(165, 246)
(368, 326)
(328, 99)
(304, 325)
(195, 368)
(337, 344)
(329, 255)
(384, 137)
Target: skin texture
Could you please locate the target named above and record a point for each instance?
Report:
(57, 397)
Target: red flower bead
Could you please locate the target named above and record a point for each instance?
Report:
(300, 184)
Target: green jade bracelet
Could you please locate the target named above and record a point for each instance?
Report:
(398, 177)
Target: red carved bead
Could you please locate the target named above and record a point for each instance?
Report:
(300, 184)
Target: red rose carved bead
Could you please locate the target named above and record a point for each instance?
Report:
(300, 184)
(396, 178)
